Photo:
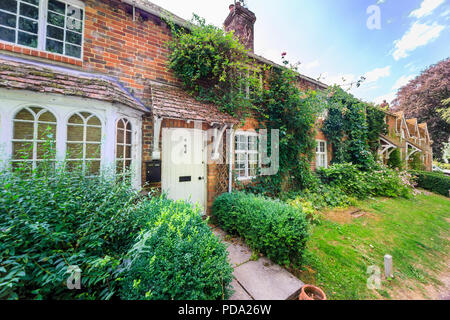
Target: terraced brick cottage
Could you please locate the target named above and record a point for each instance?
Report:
(94, 73)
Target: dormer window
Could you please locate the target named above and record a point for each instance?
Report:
(54, 26)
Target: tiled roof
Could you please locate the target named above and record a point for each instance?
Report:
(175, 103)
(33, 76)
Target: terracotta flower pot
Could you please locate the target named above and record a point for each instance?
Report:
(310, 292)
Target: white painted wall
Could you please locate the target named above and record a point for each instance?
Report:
(11, 101)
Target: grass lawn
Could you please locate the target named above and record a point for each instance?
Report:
(415, 232)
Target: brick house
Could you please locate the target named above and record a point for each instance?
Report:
(409, 137)
(93, 72)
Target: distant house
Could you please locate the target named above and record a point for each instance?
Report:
(94, 74)
(408, 136)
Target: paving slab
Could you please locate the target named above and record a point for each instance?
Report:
(239, 292)
(237, 253)
(264, 280)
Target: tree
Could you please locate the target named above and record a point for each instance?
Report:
(423, 97)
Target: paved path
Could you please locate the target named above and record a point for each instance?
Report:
(258, 280)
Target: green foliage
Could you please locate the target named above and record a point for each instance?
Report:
(376, 125)
(395, 160)
(294, 112)
(214, 66)
(272, 227)
(416, 162)
(433, 181)
(53, 218)
(176, 257)
(352, 134)
(380, 181)
(322, 196)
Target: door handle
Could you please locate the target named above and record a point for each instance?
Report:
(201, 178)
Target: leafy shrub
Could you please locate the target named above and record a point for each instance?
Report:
(178, 257)
(416, 162)
(322, 196)
(269, 226)
(54, 219)
(395, 160)
(433, 181)
(378, 181)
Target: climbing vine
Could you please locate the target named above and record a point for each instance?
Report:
(285, 107)
(353, 127)
(214, 66)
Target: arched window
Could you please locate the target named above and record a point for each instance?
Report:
(33, 137)
(84, 135)
(123, 147)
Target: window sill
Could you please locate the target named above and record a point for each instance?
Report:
(23, 50)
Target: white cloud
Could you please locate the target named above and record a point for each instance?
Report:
(420, 34)
(426, 8)
(402, 81)
(376, 74)
(381, 1)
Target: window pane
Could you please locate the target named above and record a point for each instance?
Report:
(128, 152)
(55, 19)
(93, 167)
(28, 25)
(56, 33)
(120, 138)
(22, 150)
(74, 25)
(119, 152)
(75, 150)
(23, 130)
(73, 37)
(75, 133)
(27, 39)
(76, 119)
(9, 5)
(29, 11)
(57, 6)
(7, 34)
(46, 131)
(74, 12)
(73, 51)
(93, 121)
(35, 2)
(47, 117)
(7, 19)
(54, 46)
(92, 151)
(93, 134)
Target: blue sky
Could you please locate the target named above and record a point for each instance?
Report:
(332, 41)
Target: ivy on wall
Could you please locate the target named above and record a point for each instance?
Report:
(353, 127)
(214, 66)
(285, 107)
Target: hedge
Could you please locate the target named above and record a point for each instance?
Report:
(55, 219)
(433, 181)
(271, 227)
(177, 258)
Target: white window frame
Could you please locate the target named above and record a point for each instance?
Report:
(124, 144)
(320, 153)
(34, 141)
(42, 28)
(85, 142)
(246, 152)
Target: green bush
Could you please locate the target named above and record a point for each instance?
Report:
(378, 181)
(433, 181)
(271, 227)
(177, 258)
(54, 219)
(395, 160)
(416, 162)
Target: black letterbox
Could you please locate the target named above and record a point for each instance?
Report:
(153, 171)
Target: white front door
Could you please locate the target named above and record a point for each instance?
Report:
(184, 165)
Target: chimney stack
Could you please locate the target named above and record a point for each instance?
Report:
(242, 21)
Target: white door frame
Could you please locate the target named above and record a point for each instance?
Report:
(165, 167)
